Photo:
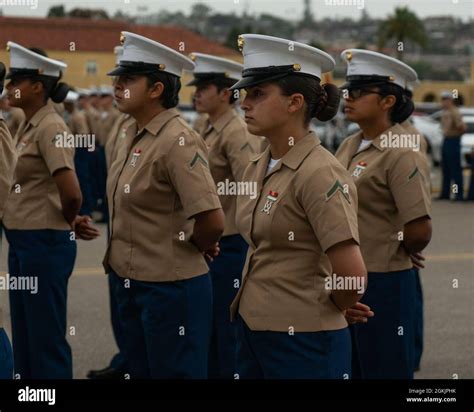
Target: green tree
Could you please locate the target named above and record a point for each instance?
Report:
(231, 40)
(200, 11)
(402, 26)
(56, 11)
(97, 14)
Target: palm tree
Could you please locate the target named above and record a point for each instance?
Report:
(402, 26)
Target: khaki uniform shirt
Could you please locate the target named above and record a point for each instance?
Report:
(423, 149)
(13, 118)
(416, 133)
(393, 190)
(34, 202)
(77, 123)
(105, 123)
(305, 204)
(7, 166)
(59, 107)
(93, 116)
(8, 160)
(159, 181)
(451, 122)
(201, 122)
(116, 137)
(230, 148)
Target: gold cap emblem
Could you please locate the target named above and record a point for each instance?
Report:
(240, 42)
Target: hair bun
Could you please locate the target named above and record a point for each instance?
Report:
(329, 110)
(60, 92)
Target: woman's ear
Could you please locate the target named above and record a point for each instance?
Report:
(37, 87)
(296, 102)
(157, 90)
(225, 94)
(388, 101)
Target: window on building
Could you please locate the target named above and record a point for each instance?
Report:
(91, 67)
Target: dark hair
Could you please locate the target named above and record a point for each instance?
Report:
(403, 107)
(221, 83)
(322, 101)
(54, 90)
(225, 83)
(172, 86)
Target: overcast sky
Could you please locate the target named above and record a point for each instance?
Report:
(292, 9)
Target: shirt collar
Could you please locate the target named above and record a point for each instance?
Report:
(222, 121)
(395, 129)
(156, 124)
(41, 114)
(295, 156)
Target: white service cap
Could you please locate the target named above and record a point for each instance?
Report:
(26, 62)
(369, 68)
(270, 58)
(106, 90)
(142, 56)
(210, 67)
(71, 97)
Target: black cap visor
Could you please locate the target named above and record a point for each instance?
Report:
(362, 82)
(257, 75)
(127, 67)
(203, 78)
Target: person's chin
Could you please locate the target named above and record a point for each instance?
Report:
(122, 106)
(254, 129)
(350, 115)
(200, 108)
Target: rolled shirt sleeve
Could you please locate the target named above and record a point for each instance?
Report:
(188, 169)
(407, 180)
(329, 198)
(51, 146)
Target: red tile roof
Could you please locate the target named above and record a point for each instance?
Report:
(98, 35)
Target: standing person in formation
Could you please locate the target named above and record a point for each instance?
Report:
(117, 367)
(165, 217)
(302, 225)
(453, 129)
(39, 217)
(230, 148)
(394, 208)
(76, 121)
(107, 118)
(7, 166)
